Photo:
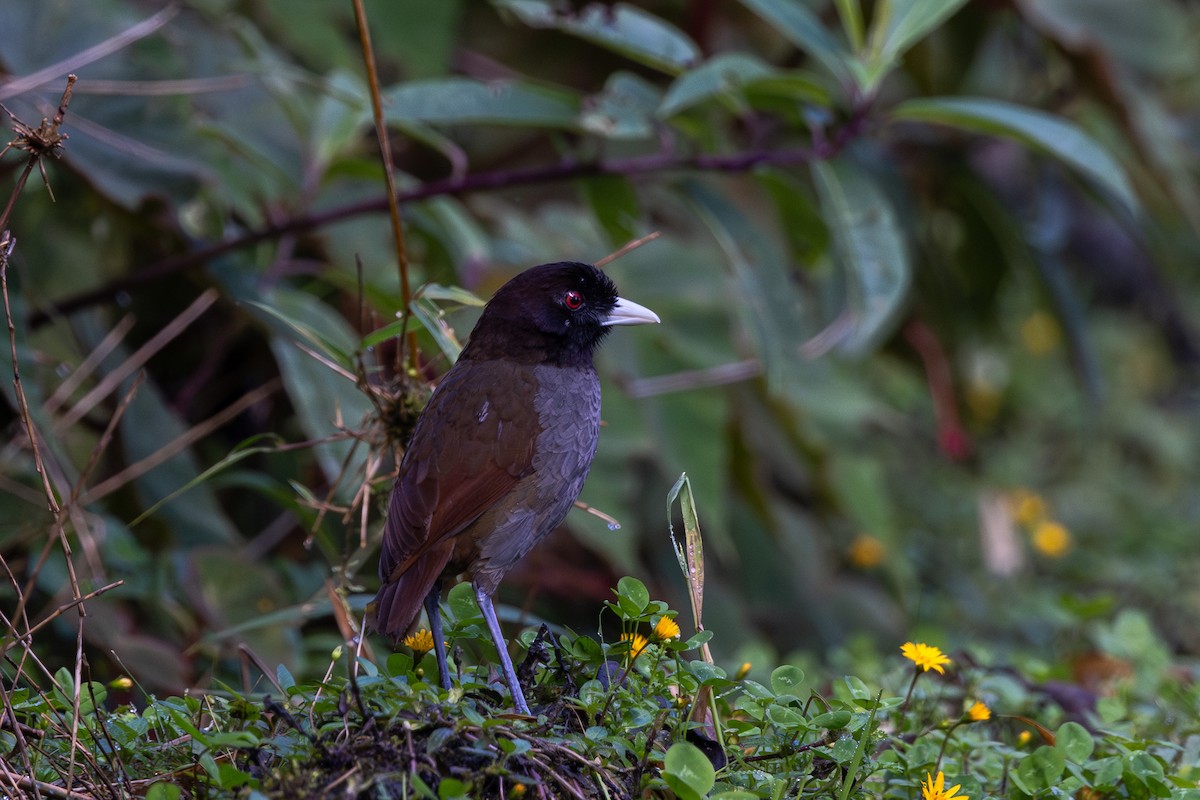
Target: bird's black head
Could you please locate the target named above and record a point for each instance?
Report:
(555, 313)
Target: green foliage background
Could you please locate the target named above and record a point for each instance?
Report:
(915, 255)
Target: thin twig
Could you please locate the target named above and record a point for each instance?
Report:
(135, 362)
(454, 185)
(182, 442)
(628, 248)
(16, 86)
(66, 607)
(389, 174)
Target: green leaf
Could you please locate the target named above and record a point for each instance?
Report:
(1038, 130)
(624, 110)
(787, 718)
(622, 28)
(1042, 768)
(1074, 741)
(464, 101)
(163, 791)
(688, 771)
(339, 118)
(452, 789)
(460, 602)
(831, 720)
(769, 302)
(721, 76)
(787, 679)
(870, 248)
(632, 595)
(858, 689)
(903, 24)
(804, 29)
(615, 204)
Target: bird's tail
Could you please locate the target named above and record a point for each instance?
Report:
(399, 600)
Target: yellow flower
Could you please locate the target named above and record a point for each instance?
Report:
(666, 628)
(1039, 333)
(1051, 538)
(123, 682)
(934, 789)
(637, 643)
(866, 552)
(1028, 507)
(924, 656)
(421, 642)
(743, 671)
(1023, 738)
(979, 712)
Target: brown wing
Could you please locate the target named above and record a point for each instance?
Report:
(473, 443)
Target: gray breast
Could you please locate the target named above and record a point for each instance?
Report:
(568, 404)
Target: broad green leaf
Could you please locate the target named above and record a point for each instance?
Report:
(870, 248)
(803, 28)
(1042, 768)
(769, 303)
(799, 218)
(303, 315)
(340, 115)
(720, 76)
(1038, 130)
(1075, 742)
(898, 25)
(461, 232)
(787, 679)
(620, 27)
(787, 718)
(433, 320)
(464, 101)
(624, 110)
(831, 720)
(788, 94)
(633, 594)
(162, 790)
(615, 204)
(688, 771)
(321, 399)
(851, 15)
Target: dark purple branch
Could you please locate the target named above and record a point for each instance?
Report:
(483, 181)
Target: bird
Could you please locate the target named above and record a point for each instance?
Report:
(501, 451)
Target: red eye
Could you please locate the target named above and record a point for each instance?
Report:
(572, 299)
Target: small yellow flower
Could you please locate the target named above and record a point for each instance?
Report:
(1051, 538)
(979, 712)
(123, 682)
(637, 643)
(1028, 507)
(518, 790)
(666, 629)
(934, 789)
(1039, 333)
(421, 642)
(866, 552)
(924, 656)
(742, 672)
(1023, 738)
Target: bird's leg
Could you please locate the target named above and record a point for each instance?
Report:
(510, 676)
(435, 627)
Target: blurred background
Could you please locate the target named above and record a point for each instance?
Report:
(927, 276)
